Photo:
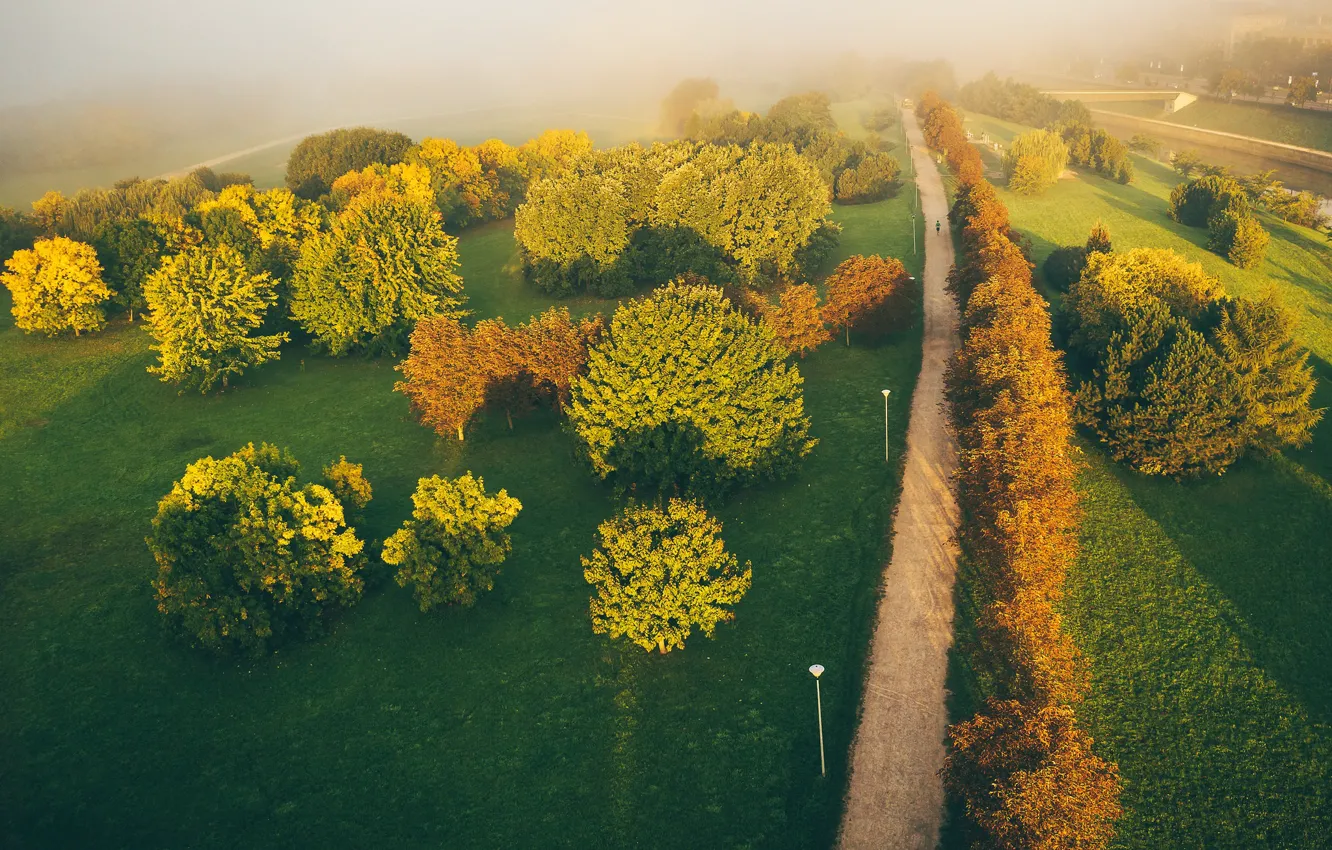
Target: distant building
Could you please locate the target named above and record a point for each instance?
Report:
(1301, 24)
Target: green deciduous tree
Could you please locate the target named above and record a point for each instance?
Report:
(57, 287)
(871, 179)
(204, 305)
(385, 264)
(686, 390)
(660, 573)
(573, 230)
(129, 252)
(246, 556)
(453, 546)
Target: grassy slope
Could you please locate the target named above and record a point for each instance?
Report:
(1304, 127)
(509, 724)
(1202, 607)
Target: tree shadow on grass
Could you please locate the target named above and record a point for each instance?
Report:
(1261, 536)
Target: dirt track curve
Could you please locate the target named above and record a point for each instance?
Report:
(895, 797)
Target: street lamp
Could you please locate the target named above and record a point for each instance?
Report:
(913, 234)
(817, 671)
(886, 393)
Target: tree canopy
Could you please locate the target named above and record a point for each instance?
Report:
(1034, 161)
(385, 263)
(686, 390)
(57, 286)
(204, 305)
(322, 158)
(247, 557)
(660, 573)
(452, 547)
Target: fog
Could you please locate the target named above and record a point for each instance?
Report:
(309, 49)
(142, 75)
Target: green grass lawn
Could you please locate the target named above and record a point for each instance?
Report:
(506, 725)
(1202, 607)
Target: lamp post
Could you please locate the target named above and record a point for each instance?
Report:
(913, 234)
(886, 393)
(817, 671)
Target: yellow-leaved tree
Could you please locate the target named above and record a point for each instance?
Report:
(57, 286)
(662, 572)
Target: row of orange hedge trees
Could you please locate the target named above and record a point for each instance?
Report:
(1023, 765)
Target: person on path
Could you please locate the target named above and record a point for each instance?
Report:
(938, 226)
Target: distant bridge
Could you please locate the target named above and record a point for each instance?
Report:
(1173, 100)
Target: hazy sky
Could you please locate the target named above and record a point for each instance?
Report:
(57, 48)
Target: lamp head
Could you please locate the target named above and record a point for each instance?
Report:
(816, 669)
(887, 393)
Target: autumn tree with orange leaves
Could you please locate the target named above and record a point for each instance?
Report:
(798, 320)
(869, 293)
(453, 372)
(1023, 766)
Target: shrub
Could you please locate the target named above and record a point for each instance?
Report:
(347, 481)
(1034, 162)
(684, 390)
(1195, 203)
(1248, 241)
(451, 548)
(247, 557)
(1063, 266)
(659, 573)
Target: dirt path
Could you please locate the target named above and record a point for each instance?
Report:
(895, 797)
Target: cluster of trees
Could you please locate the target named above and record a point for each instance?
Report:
(249, 557)
(1070, 120)
(453, 371)
(1265, 191)
(634, 215)
(468, 185)
(1098, 150)
(854, 171)
(1184, 380)
(943, 131)
(1221, 204)
(1020, 103)
(1023, 765)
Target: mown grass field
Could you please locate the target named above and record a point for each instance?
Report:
(506, 725)
(1202, 607)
